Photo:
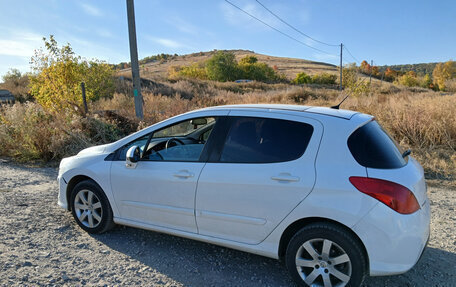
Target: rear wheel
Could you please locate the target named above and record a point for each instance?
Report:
(325, 254)
(90, 207)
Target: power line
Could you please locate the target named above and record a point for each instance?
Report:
(293, 38)
(354, 58)
(277, 30)
(292, 27)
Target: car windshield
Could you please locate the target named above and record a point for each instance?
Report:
(184, 128)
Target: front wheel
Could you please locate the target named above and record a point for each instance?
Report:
(90, 207)
(324, 254)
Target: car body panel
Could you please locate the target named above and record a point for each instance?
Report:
(154, 193)
(90, 165)
(244, 202)
(394, 242)
(344, 114)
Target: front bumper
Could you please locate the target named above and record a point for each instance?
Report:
(394, 242)
(62, 197)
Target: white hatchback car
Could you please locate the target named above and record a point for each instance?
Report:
(326, 190)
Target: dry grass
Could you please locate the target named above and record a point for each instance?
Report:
(417, 118)
(29, 133)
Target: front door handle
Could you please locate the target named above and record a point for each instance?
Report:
(183, 174)
(285, 177)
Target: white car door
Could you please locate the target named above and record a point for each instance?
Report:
(160, 189)
(265, 169)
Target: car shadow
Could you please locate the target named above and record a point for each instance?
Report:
(194, 263)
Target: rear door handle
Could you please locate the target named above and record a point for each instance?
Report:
(183, 174)
(285, 177)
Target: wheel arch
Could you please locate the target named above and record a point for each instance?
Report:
(73, 182)
(293, 228)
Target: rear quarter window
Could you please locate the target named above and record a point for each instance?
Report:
(372, 147)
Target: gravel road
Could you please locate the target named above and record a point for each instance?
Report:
(41, 245)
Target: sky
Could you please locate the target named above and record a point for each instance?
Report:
(387, 32)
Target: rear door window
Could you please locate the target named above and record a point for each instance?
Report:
(265, 140)
(372, 147)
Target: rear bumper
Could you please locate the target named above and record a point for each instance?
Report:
(394, 242)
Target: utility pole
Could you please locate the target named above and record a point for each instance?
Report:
(340, 82)
(134, 60)
(370, 76)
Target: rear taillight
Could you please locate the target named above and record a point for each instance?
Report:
(394, 195)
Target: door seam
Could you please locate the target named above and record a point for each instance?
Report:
(196, 194)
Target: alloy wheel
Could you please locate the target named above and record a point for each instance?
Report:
(88, 208)
(321, 262)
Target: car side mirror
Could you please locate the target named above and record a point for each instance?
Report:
(198, 122)
(133, 156)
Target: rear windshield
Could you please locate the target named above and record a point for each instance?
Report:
(372, 147)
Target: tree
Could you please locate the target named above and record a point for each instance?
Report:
(390, 75)
(17, 83)
(365, 67)
(408, 79)
(12, 75)
(444, 72)
(222, 67)
(352, 82)
(58, 73)
(427, 82)
(375, 71)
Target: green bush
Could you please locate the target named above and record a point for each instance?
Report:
(320, 79)
(222, 67)
(302, 78)
(248, 60)
(324, 79)
(194, 71)
(257, 72)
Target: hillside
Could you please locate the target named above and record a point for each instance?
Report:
(288, 66)
(158, 69)
(420, 69)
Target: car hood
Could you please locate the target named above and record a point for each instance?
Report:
(99, 149)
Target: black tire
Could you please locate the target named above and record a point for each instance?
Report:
(316, 235)
(99, 208)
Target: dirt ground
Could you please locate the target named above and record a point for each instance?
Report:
(41, 245)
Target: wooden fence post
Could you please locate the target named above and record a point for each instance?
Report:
(84, 100)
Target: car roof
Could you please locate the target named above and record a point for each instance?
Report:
(344, 114)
